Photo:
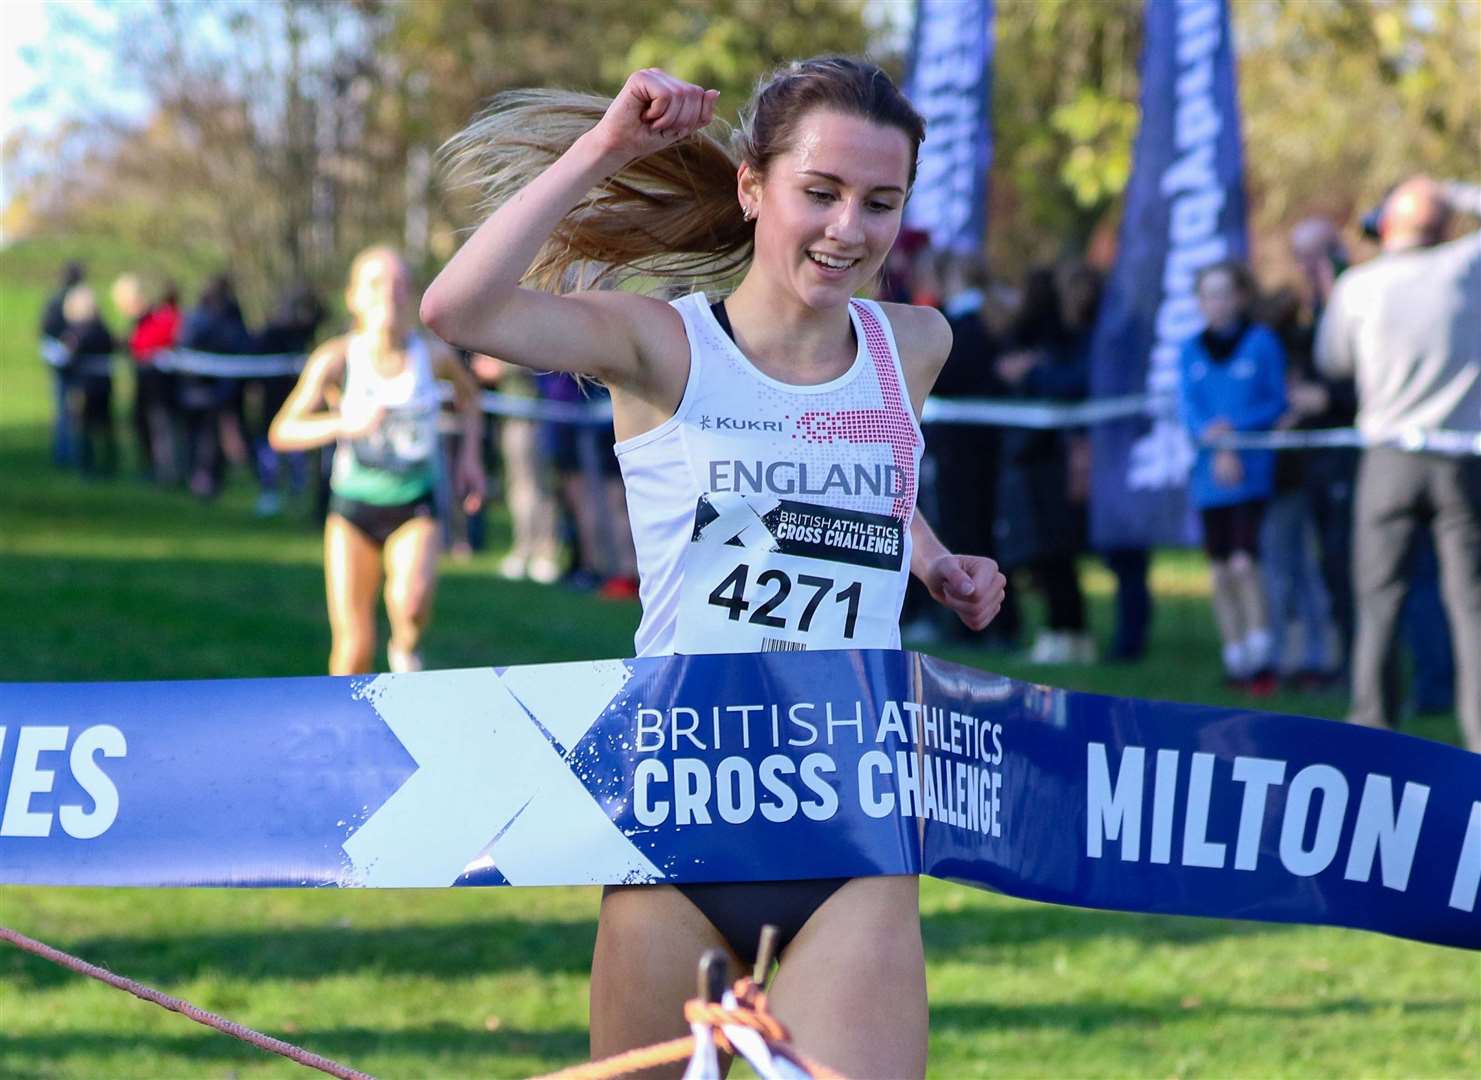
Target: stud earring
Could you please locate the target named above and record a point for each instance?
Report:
(748, 213)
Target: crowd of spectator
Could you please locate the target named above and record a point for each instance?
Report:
(188, 428)
(1278, 527)
(192, 430)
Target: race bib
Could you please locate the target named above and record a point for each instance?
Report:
(763, 574)
(404, 440)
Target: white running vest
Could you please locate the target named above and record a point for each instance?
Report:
(773, 517)
(405, 442)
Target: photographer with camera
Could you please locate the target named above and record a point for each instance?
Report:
(1407, 327)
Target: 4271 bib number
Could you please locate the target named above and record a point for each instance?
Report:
(763, 574)
(730, 594)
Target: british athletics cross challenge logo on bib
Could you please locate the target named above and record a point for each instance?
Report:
(763, 574)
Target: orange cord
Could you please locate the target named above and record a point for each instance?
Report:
(645, 1057)
(750, 1011)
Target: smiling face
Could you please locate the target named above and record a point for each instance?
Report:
(828, 208)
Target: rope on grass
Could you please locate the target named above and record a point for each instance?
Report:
(750, 1011)
(184, 1008)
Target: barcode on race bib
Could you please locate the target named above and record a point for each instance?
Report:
(778, 645)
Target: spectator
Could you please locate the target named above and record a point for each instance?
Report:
(590, 487)
(89, 353)
(897, 282)
(1288, 548)
(535, 551)
(290, 332)
(1130, 566)
(1405, 326)
(64, 448)
(1321, 257)
(1329, 475)
(214, 325)
(1040, 522)
(457, 441)
(127, 293)
(1233, 379)
(911, 276)
(155, 332)
(484, 370)
(1425, 632)
(966, 456)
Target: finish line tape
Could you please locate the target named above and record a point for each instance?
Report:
(740, 768)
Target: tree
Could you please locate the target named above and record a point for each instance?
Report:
(1343, 98)
(465, 53)
(1339, 99)
(284, 135)
(240, 158)
(730, 44)
(1064, 116)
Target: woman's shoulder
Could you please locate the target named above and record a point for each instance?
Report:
(649, 317)
(922, 333)
(329, 357)
(923, 338)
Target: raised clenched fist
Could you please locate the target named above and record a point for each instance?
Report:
(653, 110)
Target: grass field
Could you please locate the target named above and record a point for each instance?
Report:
(116, 580)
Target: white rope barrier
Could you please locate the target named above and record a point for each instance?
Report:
(1442, 441)
(180, 362)
(1043, 415)
(58, 356)
(584, 413)
(233, 366)
(982, 412)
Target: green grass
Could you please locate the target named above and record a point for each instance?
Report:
(116, 580)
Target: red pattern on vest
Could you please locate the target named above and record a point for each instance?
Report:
(892, 424)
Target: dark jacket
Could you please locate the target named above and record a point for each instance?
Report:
(216, 330)
(966, 455)
(53, 322)
(1035, 517)
(87, 339)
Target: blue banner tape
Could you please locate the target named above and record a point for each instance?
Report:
(737, 768)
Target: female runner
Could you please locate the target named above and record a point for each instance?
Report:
(783, 399)
(374, 392)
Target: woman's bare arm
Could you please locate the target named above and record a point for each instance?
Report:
(467, 399)
(924, 338)
(468, 472)
(969, 585)
(303, 423)
(477, 303)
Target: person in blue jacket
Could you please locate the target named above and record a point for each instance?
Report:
(1233, 379)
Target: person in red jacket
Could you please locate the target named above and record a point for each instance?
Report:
(154, 396)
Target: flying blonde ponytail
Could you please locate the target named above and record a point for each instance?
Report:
(672, 214)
